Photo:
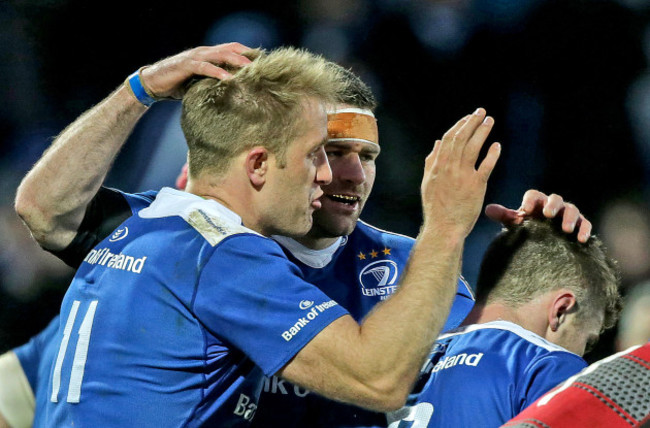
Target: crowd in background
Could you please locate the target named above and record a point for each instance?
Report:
(566, 80)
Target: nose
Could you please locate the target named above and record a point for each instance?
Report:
(323, 170)
(352, 169)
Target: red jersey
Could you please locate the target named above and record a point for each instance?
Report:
(613, 392)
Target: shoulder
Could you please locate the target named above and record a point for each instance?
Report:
(594, 407)
(512, 339)
(367, 231)
(141, 200)
(214, 222)
(108, 197)
(530, 353)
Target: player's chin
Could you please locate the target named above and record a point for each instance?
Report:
(335, 225)
(300, 227)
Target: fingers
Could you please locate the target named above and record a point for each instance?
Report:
(463, 143)
(166, 78)
(454, 129)
(209, 60)
(487, 165)
(230, 54)
(447, 142)
(235, 47)
(453, 188)
(501, 214)
(570, 217)
(553, 205)
(584, 229)
(202, 68)
(433, 156)
(573, 221)
(465, 133)
(537, 204)
(475, 143)
(533, 199)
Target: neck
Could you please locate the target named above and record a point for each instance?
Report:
(223, 192)
(485, 313)
(529, 316)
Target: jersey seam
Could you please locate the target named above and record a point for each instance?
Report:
(204, 386)
(385, 231)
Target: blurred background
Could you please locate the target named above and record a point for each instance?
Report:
(567, 82)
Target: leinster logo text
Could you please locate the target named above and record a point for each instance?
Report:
(378, 279)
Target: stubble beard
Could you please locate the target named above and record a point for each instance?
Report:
(326, 227)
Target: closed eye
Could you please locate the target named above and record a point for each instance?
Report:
(368, 157)
(334, 153)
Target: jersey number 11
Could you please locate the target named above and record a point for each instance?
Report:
(80, 353)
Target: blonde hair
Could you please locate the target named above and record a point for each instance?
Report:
(262, 105)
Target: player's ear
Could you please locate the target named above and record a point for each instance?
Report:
(257, 164)
(562, 304)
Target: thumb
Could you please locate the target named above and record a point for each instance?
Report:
(501, 214)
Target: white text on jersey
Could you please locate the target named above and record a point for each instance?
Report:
(104, 257)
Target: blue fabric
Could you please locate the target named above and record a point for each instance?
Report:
(348, 279)
(35, 355)
(174, 337)
(485, 374)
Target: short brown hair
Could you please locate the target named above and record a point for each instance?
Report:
(356, 92)
(261, 105)
(525, 261)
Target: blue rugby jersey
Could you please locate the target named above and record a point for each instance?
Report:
(358, 272)
(163, 325)
(106, 212)
(483, 375)
(35, 359)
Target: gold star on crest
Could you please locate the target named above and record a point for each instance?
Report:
(386, 251)
(361, 256)
(373, 254)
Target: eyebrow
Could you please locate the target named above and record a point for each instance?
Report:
(321, 143)
(368, 148)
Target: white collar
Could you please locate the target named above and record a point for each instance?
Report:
(511, 327)
(171, 202)
(312, 258)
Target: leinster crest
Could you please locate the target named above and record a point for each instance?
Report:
(379, 279)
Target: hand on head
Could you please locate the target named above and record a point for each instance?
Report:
(536, 204)
(166, 78)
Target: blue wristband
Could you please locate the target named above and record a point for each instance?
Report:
(138, 90)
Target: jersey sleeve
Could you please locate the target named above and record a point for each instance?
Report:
(253, 297)
(31, 354)
(546, 373)
(106, 211)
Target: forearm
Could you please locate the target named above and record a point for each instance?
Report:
(53, 197)
(398, 334)
(374, 365)
(16, 396)
(3, 422)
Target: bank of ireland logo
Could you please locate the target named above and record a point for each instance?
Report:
(306, 304)
(378, 279)
(119, 234)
